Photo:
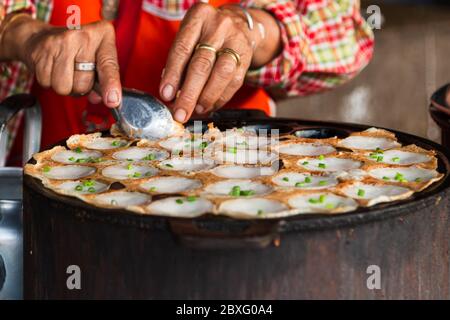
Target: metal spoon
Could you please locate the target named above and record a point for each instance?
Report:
(143, 116)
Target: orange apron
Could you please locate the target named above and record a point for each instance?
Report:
(65, 116)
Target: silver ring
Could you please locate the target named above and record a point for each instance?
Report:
(84, 66)
(249, 17)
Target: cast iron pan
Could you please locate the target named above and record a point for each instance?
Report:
(216, 231)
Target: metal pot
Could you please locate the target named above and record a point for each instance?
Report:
(11, 243)
(440, 112)
(118, 254)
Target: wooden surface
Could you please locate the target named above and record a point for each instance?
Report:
(410, 62)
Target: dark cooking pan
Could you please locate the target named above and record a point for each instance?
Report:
(136, 256)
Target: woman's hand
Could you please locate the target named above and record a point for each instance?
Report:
(201, 80)
(51, 53)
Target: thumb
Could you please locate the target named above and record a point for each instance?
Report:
(108, 70)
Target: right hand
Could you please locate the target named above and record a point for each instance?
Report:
(51, 54)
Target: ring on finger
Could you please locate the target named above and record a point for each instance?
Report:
(236, 57)
(85, 66)
(206, 47)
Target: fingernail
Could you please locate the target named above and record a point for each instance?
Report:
(180, 115)
(168, 92)
(199, 109)
(162, 73)
(113, 97)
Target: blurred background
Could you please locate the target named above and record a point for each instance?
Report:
(412, 59)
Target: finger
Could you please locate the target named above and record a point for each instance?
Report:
(62, 72)
(83, 81)
(183, 47)
(43, 71)
(197, 75)
(179, 56)
(108, 69)
(94, 97)
(221, 76)
(231, 89)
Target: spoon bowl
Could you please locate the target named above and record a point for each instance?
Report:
(143, 116)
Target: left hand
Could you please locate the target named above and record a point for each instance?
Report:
(204, 80)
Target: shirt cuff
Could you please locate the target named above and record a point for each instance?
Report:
(287, 65)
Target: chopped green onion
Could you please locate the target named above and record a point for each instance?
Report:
(260, 212)
(300, 184)
(308, 179)
(313, 201)
(203, 145)
(81, 160)
(322, 198)
(386, 178)
(373, 156)
(137, 175)
(305, 163)
(191, 199)
(323, 183)
(380, 158)
(399, 176)
(396, 159)
(179, 201)
(88, 183)
(286, 179)
(247, 193)
(115, 143)
(79, 188)
(329, 206)
(149, 174)
(72, 159)
(129, 166)
(150, 157)
(361, 193)
(78, 150)
(169, 165)
(233, 150)
(322, 165)
(129, 160)
(91, 190)
(235, 191)
(46, 169)
(321, 157)
(418, 180)
(379, 150)
(152, 189)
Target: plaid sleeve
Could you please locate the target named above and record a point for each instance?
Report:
(326, 43)
(14, 76)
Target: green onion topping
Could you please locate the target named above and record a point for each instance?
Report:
(191, 199)
(322, 165)
(361, 193)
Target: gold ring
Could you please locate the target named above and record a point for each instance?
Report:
(232, 53)
(205, 46)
